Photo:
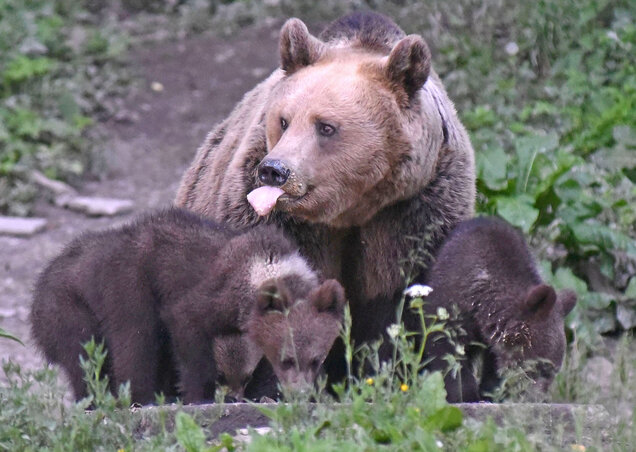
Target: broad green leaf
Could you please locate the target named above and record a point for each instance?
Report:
(564, 278)
(189, 435)
(23, 68)
(492, 168)
(68, 107)
(615, 158)
(630, 291)
(527, 149)
(518, 211)
(445, 419)
(625, 135)
(605, 238)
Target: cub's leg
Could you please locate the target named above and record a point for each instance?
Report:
(61, 323)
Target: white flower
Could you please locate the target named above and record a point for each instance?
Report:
(442, 313)
(418, 290)
(460, 349)
(393, 330)
(439, 444)
(613, 36)
(511, 48)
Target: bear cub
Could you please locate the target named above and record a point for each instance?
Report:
(159, 292)
(485, 277)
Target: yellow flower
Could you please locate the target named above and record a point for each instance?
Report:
(369, 381)
(121, 450)
(404, 387)
(578, 447)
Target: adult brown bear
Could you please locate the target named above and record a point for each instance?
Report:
(364, 160)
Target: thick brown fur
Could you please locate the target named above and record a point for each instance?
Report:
(485, 275)
(236, 358)
(396, 176)
(160, 290)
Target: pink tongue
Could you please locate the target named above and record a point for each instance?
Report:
(263, 199)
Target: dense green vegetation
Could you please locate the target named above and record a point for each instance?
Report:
(57, 69)
(547, 90)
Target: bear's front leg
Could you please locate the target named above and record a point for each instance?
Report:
(193, 353)
(192, 349)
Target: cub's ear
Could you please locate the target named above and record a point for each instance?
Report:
(272, 297)
(567, 300)
(297, 47)
(540, 300)
(329, 297)
(409, 64)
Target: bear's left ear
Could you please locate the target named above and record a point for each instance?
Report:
(297, 47)
(329, 297)
(567, 300)
(409, 64)
(540, 300)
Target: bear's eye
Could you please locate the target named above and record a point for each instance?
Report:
(283, 124)
(315, 364)
(326, 130)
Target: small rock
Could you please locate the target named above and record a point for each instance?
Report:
(224, 56)
(598, 372)
(126, 116)
(55, 186)
(23, 227)
(626, 315)
(8, 312)
(243, 434)
(94, 206)
(33, 47)
(157, 86)
(259, 72)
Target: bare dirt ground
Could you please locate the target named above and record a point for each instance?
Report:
(202, 78)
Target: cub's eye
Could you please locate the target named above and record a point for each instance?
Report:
(288, 363)
(283, 124)
(326, 130)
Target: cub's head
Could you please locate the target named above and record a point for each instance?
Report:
(296, 330)
(341, 129)
(535, 337)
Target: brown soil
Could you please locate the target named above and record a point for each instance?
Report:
(202, 78)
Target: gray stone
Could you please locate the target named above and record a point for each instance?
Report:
(95, 206)
(597, 373)
(55, 186)
(23, 227)
(32, 47)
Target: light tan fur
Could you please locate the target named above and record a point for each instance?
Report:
(262, 270)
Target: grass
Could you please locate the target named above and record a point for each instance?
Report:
(399, 408)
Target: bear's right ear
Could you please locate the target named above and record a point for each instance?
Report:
(329, 297)
(271, 297)
(409, 64)
(540, 300)
(297, 47)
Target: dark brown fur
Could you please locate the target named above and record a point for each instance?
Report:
(397, 176)
(484, 272)
(159, 291)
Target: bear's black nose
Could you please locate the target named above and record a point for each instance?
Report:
(273, 172)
